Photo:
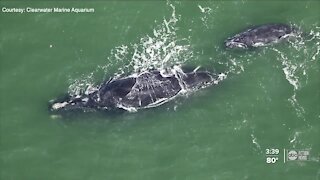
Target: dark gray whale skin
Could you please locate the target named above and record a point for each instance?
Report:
(147, 89)
(262, 35)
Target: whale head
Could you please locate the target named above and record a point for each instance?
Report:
(72, 103)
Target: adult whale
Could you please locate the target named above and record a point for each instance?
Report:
(262, 35)
(136, 91)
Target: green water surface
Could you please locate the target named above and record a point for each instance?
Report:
(218, 133)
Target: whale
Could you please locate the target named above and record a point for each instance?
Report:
(262, 35)
(136, 91)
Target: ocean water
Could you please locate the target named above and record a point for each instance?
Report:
(269, 98)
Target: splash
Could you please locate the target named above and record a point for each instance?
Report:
(298, 62)
(206, 11)
(160, 50)
(294, 140)
(290, 70)
(255, 142)
(82, 85)
(207, 14)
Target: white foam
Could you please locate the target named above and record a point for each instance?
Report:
(221, 77)
(207, 14)
(255, 142)
(294, 140)
(297, 63)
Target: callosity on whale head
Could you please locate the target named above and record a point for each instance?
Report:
(261, 36)
(137, 91)
(72, 103)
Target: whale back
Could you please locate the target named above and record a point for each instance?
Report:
(150, 88)
(147, 89)
(261, 36)
(197, 80)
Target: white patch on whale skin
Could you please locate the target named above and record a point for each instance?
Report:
(159, 102)
(56, 106)
(232, 44)
(130, 109)
(85, 99)
(241, 45)
(259, 44)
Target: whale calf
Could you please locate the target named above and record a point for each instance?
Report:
(137, 91)
(262, 35)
